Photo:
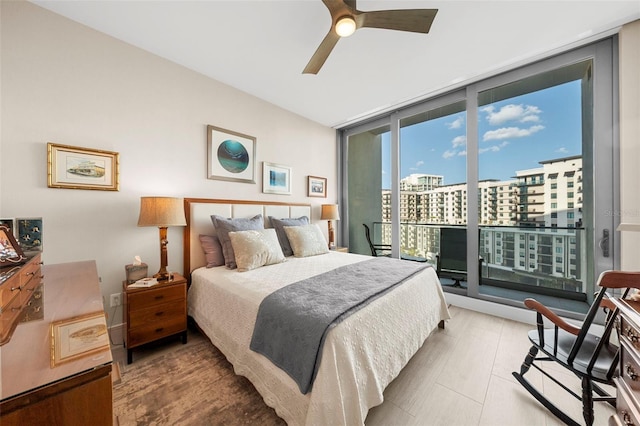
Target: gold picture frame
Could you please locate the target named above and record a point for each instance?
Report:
(79, 336)
(74, 167)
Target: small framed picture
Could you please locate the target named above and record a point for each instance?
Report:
(276, 179)
(73, 167)
(316, 186)
(10, 252)
(78, 336)
(231, 155)
(30, 233)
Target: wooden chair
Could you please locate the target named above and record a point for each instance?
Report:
(591, 356)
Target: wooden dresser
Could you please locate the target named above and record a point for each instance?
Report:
(155, 312)
(75, 392)
(17, 286)
(628, 383)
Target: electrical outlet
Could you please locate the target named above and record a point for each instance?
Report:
(116, 300)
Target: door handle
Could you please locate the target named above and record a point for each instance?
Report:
(604, 243)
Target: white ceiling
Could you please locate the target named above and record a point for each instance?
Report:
(261, 46)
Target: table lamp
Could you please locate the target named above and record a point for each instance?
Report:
(162, 212)
(330, 213)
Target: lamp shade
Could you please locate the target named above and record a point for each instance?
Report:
(161, 211)
(330, 212)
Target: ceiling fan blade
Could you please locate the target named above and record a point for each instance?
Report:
(414, 20)
(322, 53)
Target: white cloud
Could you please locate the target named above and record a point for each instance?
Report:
(456, 124)
(462, 153)
(512, 112)
(459, 141)
(449, 153)
(419, 163)
(493, 148)
(562, 150)
(510, 132)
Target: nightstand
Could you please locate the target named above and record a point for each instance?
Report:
(155, 312)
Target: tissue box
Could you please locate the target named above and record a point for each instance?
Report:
(135, 272)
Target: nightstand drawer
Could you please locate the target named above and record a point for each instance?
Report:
(154, 331)
(144, 299)
(157, 313)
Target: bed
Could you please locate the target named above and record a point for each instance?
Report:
(361, 354)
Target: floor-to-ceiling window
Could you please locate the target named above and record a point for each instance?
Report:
(495, 182)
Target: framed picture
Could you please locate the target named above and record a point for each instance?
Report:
(82, 168)
(230, 155)
(276, 179)
(316, 186)
(30, 233)
(77, 337)
(9, 223)
(10, 251)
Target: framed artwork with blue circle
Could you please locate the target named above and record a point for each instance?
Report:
(231, 155)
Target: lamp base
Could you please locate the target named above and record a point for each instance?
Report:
(162, 276)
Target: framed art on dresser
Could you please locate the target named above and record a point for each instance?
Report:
(10, 251)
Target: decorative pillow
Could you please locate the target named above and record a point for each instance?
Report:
(224, 226)
(306, 240)
(212, 250)
(257, 248)
(279, 224)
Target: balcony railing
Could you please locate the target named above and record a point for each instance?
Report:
(504, 267)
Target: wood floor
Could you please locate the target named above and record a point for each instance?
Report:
(461, 377)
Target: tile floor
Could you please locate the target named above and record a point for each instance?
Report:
(460, 377)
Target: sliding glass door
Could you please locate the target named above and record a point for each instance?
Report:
(495, 184)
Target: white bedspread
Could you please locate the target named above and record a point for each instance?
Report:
(361, 355)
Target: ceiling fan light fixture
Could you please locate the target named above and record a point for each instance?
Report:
(345, 26)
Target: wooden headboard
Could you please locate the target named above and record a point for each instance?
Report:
(199, 210)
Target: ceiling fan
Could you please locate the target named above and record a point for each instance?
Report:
(346, 19)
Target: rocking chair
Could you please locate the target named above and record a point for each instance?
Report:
(592, 357)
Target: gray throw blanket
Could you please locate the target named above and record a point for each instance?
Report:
(292, 322)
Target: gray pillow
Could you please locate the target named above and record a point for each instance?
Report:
(224, 226)
(279, 224)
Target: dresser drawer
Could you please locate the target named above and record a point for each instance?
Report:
(629, 333)
(9, 318)
(8, 291)
(144, 299)
(625, 405)
(157, 313)
(153, 331)
(630, 369)
(30, 271)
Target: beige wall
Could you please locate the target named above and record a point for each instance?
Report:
(65, 83)
(630, 142)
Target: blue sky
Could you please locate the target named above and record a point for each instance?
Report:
(515, 134)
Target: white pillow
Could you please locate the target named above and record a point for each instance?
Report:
(256, 248)
(306, 240)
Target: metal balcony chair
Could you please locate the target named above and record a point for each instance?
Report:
(385, 249)
(376, 249)
(592, 357)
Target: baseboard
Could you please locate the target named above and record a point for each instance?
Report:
(496, 309)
